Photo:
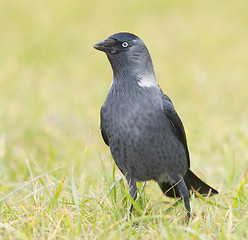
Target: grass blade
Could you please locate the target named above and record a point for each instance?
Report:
(74, 192)
(57, 193)
(24, 185)
(240, 189)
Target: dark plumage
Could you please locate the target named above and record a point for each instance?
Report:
(140, 125)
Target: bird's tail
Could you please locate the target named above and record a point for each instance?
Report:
(192, 182)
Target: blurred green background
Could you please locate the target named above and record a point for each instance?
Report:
(53, 83)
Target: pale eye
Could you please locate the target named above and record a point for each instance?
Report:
(124, 44)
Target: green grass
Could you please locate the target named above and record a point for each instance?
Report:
(58, 180)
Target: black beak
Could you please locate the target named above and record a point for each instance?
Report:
(107, 46)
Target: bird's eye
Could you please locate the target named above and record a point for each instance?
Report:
(124, 44)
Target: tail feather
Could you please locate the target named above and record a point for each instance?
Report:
(192, 182)
(198, 185)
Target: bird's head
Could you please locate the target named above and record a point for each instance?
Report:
(118, 43)
(126, 53)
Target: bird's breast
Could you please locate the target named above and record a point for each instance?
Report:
(130, 116)
(140, 137)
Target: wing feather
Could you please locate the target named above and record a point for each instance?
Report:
(176, 123)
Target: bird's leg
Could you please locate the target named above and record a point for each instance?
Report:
(184, 192)
(133, 192)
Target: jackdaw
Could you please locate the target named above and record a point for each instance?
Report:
(141, 126)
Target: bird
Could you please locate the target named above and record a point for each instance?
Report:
(140, 125)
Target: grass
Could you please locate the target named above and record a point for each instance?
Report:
(58, 180)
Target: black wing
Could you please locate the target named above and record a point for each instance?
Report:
(176, 123)
(104, 134)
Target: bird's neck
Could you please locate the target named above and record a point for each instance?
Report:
(126, 79)
(132, 74)
(131, 67)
